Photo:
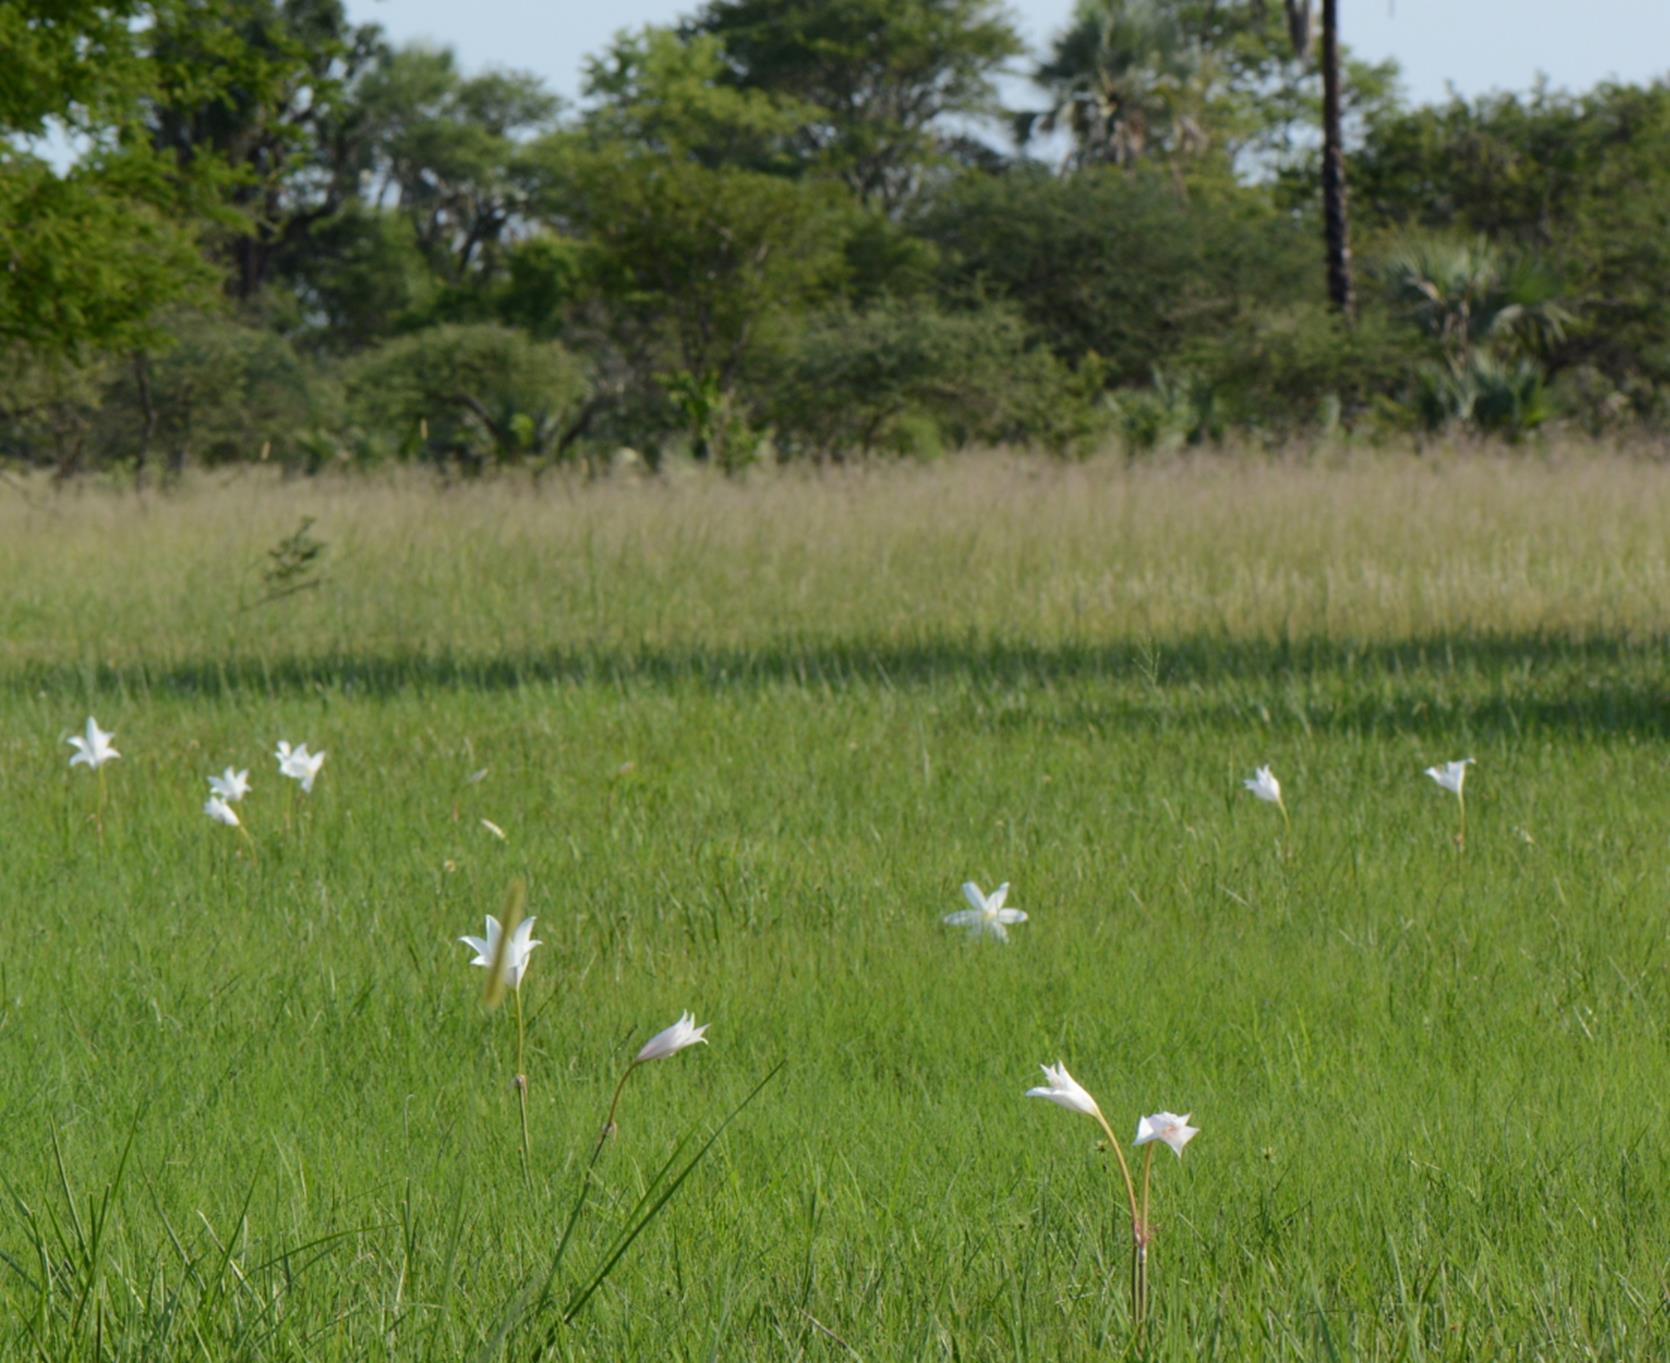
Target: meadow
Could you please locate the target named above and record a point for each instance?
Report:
(745, 740)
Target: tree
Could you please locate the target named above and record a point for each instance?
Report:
(1116, 262)
(1579, 182)
(274, 121)
(1463, 295)
(1128, 81)
(687, 270)
(1183, 81)
(880, 77)
(671, 260)
(445, 152)
(94, 250)
(1336, 228)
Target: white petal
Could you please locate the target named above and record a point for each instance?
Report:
(1175, 1131)
(218, 810)
(962, 918)
(1011, 915)
(671, 1040)
(994, 901)
(971, 892)
(1065, 1090)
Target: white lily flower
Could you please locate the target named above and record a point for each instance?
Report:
(94, 749)
(1065, 1090)
(517, 950)
(221, 812)
(299, 764)
(231, 786)
(986, 912)
(1175, 1131)
(1263, 784)
(1452, 775)
(672, 1040)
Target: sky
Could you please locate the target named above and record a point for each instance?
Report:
(1475, 46)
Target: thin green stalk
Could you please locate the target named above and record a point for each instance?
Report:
(1139, 1267)
(609, 1121)
(522, 1087)
(1144, 1238)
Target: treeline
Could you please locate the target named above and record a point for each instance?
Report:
(795, 229)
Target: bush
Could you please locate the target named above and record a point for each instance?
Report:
(474, 394)
(907, 379)
(1304, 367)
(221, 389)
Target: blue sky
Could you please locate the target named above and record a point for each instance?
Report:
(1474, 45)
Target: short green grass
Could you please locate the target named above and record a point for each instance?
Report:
(745, 742)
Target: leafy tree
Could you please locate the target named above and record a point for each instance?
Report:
(361, 278)
(674, 263)
(274, 120)
(880, 78)
(688, 269)
(665, 93)
(1116, 263)
(95, 250)
(446, 152)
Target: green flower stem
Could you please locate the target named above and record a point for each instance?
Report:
(522, 1087)
(1139, 1244)
(1141, 1255)
(609, 1121)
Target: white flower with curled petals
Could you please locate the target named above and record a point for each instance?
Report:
(1175, 1131)
(1452, 775)
(986, 912)
(1263, 784)
(220, 811)
(1065, 1090)
(672, 1040)
(299, 764)
(516, 952)
(92, 750)
(230, 786)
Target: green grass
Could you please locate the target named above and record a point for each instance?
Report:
(746, 742)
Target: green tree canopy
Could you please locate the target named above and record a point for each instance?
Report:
(883, 78)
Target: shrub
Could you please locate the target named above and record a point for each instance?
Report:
(474, 394)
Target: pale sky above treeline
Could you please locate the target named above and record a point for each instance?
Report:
(1473, 45)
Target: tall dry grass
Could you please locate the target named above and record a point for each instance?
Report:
(1373, 548)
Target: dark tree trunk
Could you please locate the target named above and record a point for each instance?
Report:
(148, 406)
(1335, 226)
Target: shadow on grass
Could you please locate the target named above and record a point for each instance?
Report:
(1495, 683)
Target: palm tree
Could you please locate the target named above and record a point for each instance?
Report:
(1336, 228)
(1127, 81)
(1467, 298)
